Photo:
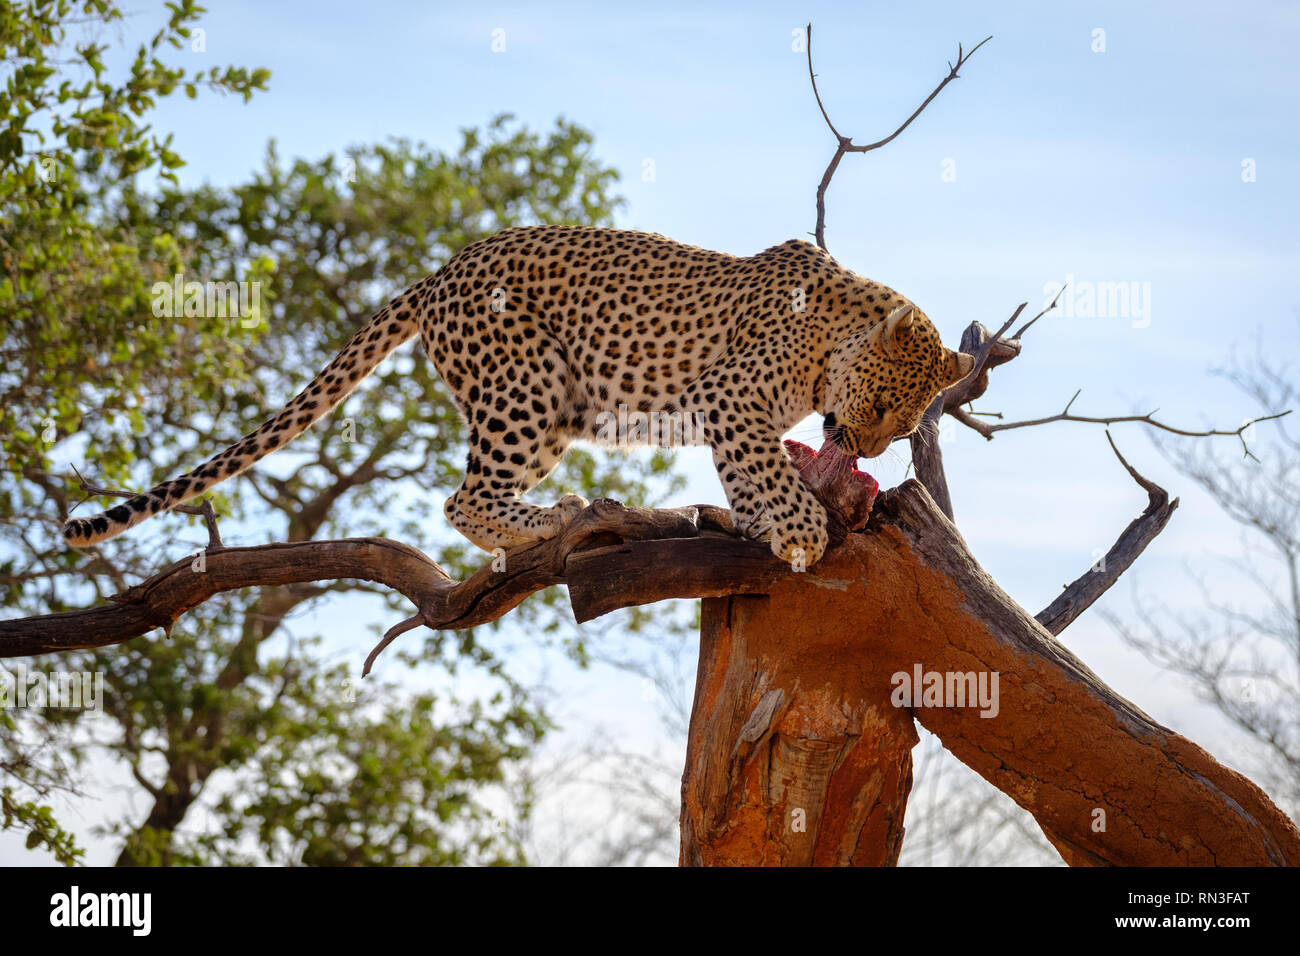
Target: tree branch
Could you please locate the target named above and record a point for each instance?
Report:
(846, 145)
(441, 601)
(927, 456)
(990, 351)
(988, 431)
(612, 557)
(1079, 595)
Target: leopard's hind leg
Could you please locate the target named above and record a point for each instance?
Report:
(511, 450)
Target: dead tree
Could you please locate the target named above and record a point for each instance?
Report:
(801, 733)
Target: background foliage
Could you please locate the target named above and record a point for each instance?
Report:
(243, 741)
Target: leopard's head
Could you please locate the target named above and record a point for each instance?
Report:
(880, 381)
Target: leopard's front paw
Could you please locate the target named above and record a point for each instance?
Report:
(802, 540)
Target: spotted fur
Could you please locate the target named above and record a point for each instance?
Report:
(538, 330)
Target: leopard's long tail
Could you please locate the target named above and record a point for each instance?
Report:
(392, 325)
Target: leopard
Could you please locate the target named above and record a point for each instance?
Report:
(542, 332)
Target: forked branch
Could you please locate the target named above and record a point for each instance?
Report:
(1065, 415)
(845, 144)
(990, 351)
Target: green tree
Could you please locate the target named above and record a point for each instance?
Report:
(287, 754)
(74, 290)
(73, 285)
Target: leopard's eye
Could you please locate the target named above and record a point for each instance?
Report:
(880, 408)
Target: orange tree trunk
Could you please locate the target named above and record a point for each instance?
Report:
(797, 756)
(800, 738)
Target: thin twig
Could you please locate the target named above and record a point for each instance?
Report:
(982, 354)
(966, 418)
(813, 77)
(1024, 328)
(845, 144)
(394, 632)
(988, 431)
(1150, 487)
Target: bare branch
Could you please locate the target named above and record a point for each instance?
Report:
(845, 144)
(712, 563)
(390, 635)
(927, 456)
(986, 349)
(1078, 596)
(989, 430)
(989, 351)
(812, 77)
(1050, 306)
(993, 350)
(719, 563)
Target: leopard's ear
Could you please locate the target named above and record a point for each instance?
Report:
(959, 366)
(896, 327)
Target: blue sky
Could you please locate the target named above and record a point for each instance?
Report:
(1117, 166)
